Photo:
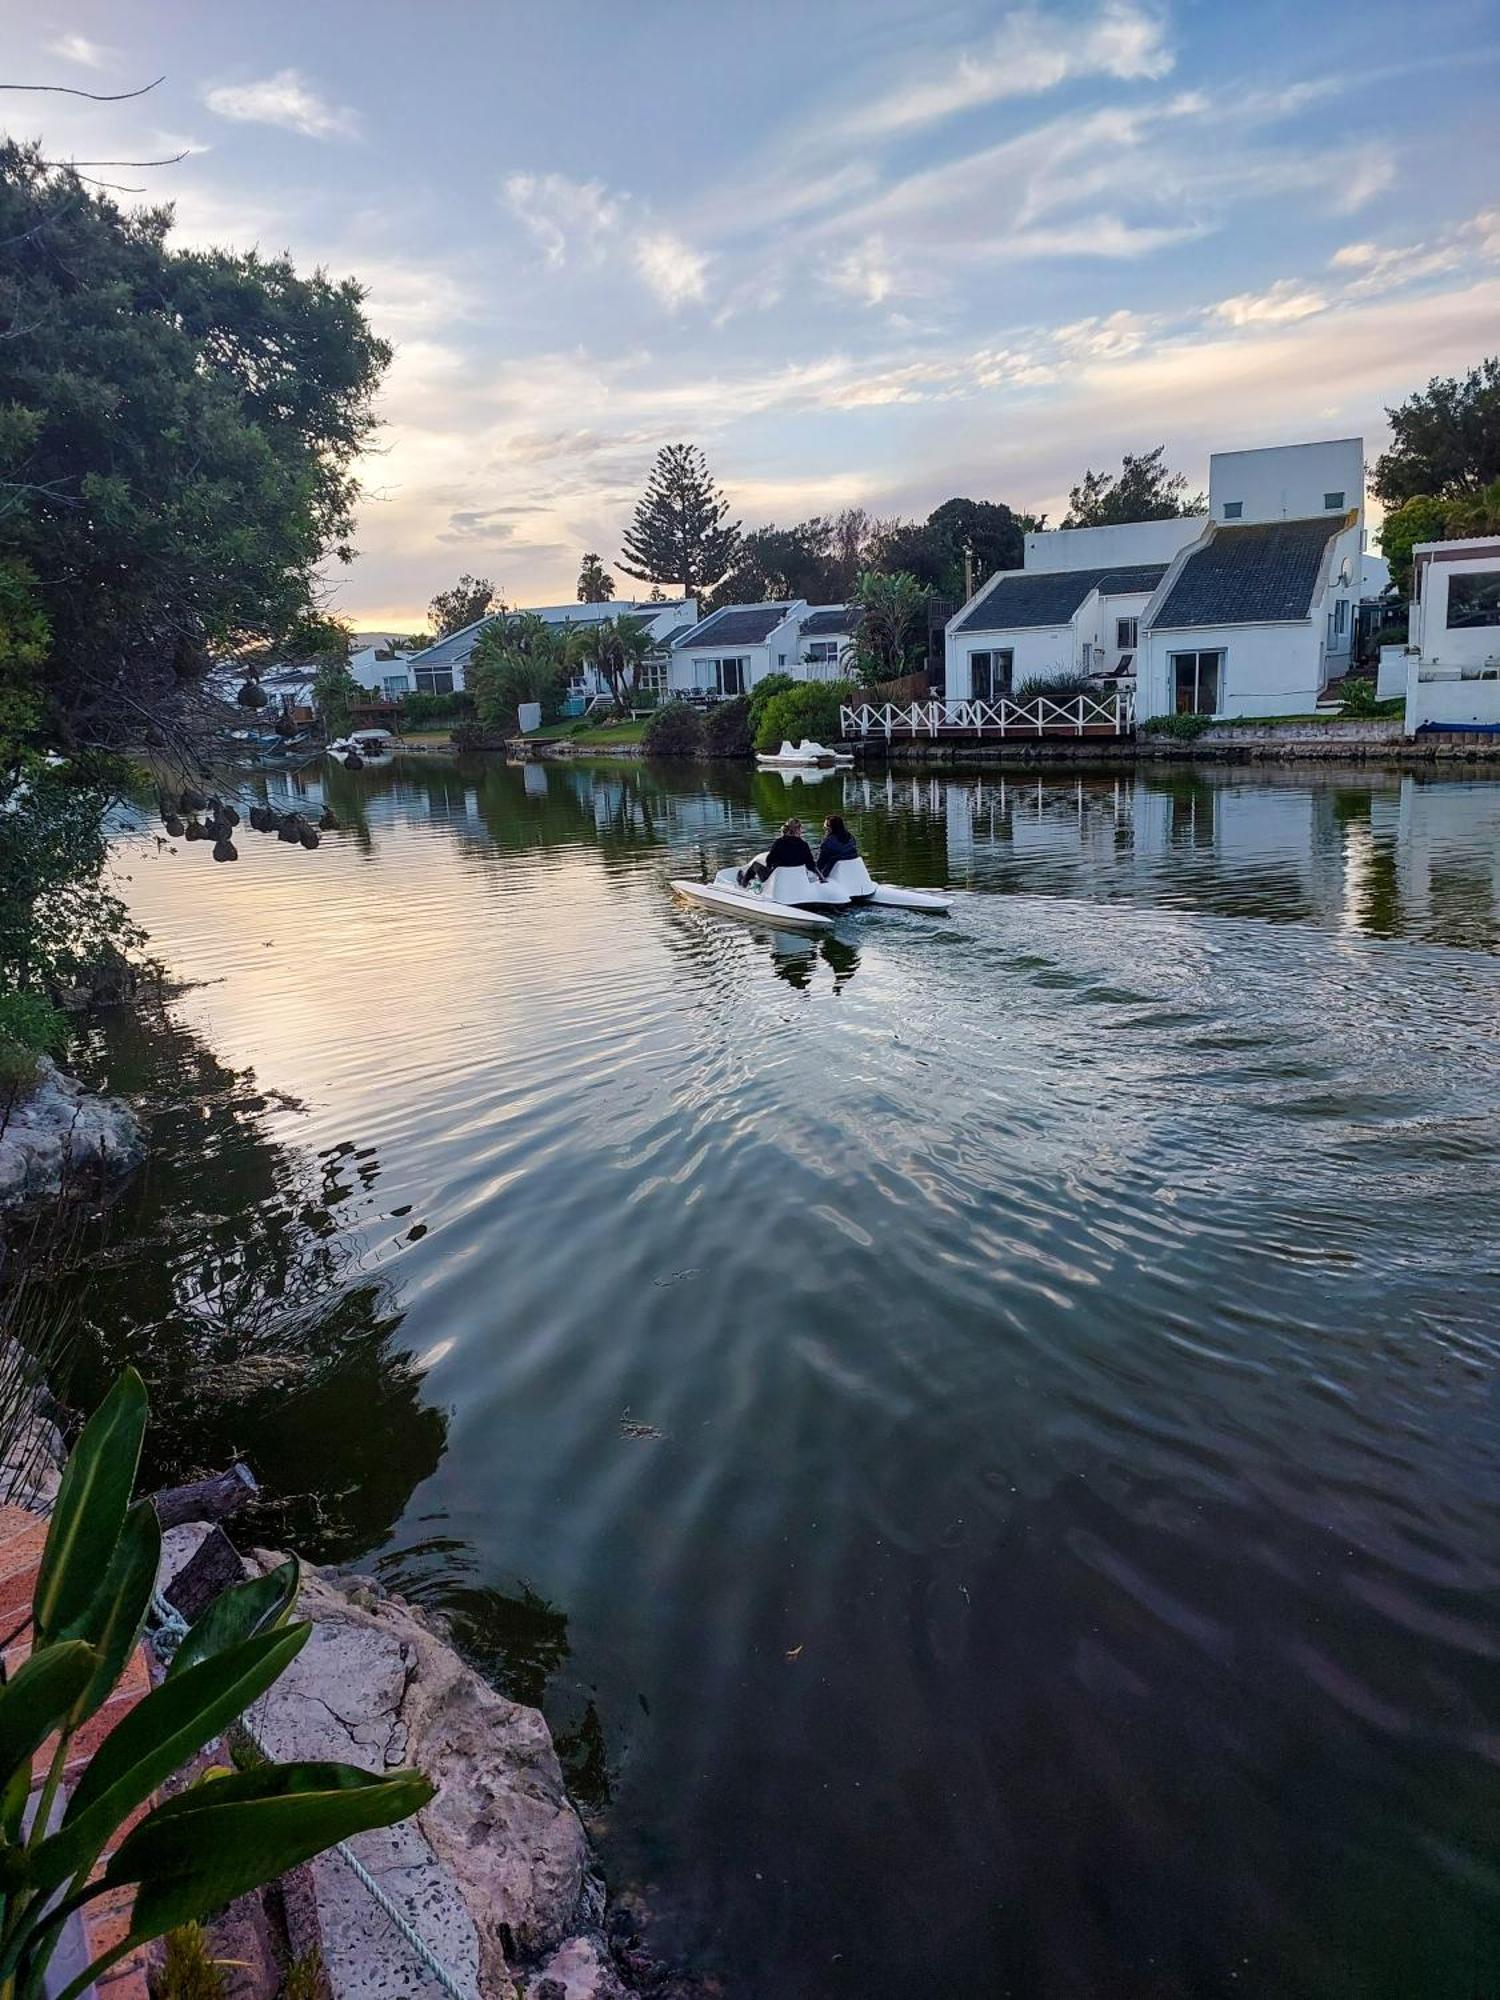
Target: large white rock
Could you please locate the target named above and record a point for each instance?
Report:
(59, 1129)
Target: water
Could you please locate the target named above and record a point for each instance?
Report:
(982, 1432)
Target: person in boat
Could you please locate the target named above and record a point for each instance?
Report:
(787, 850)
(839, 844)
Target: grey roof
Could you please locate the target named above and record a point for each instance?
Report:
(1029, 598)
(830, 618)
(669, 639)
(738, 625)
(454, 651)
(1248, 576)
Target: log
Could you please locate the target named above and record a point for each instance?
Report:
(210, 1499)
(213, 1568)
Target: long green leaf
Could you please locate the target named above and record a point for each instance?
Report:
(239, 1613)
(113, 1620)
(37, 1698)
(155, 1739)
(92, 1498)
(229, 1835)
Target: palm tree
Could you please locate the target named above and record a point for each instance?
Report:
(618, 649)
(595, 584)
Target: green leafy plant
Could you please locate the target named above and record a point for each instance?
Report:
(1185, 728)
(673, 730)
(189, 1970)
(1055, 687)
(419, 710)
(727, 731)
(766, 689)
(214, 1840)
(890, 638)
(1359, 698)
(809, 708)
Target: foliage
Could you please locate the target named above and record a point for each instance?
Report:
(1445, 439)
(810, 708)
(727, 730)
(518, 658)
(30, 1021)
(617, 648)
(189, 1971)
(305, 1977)
(1185, 728)
(19, 1069)
(25, 633)
(1425, 518)
(420, 710)
(465, 604)
(595, 584)
(1061, 686)
(335, 691)
(216, 1839)
(674, 730)
(178, 436)
(57, 916)
(1142, 490)
(891, 637)
(680, 531)
(764, 689)
(1358, 696)
(1394, 634)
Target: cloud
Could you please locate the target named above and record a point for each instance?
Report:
(585, 223)
(1030, 52)
(79, 49)
(287, 100)
(864, 273)
(1280, 304)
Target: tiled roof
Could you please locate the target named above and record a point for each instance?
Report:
(1248, 576)
(1050, 597)
(830, 618)
(738, 625)
(669, 639)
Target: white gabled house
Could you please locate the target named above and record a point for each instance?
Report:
(739, 644)
(443, 667)
(1453, 636)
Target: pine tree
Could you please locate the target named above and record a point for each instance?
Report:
(679, 533)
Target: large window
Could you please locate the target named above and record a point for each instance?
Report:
(729, 676)
(990, 674)
(1197, 683)
(1125, 634)
(822, 649)
(434, 680)
(1474, 599)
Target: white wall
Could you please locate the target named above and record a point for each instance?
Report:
(1471, 646)
(1053, 549)
(1044, 649)
(1094, 625)
(1267, 669)
(1287, 482)
(691, 672)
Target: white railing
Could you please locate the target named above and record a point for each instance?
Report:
(1074, 715)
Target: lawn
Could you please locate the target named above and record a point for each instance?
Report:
(590, 735)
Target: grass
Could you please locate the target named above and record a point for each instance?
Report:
(590, 735)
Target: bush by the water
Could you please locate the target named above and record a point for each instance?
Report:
(727, 730)
(674, 730)
(30, 1027)
(806, 708)
(1185, 728)
(766, 689)
(421, 711)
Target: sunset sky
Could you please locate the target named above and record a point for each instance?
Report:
(859, 251)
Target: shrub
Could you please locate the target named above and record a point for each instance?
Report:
(1055, 687)
(727, 731)
(807, 708)
(31, 1021)
(419, 711)
(1359, 697)
(766, 689)
(217, 1839)
(1185, 728)
(470, 735)
(1394, 634)
(673, 730)
(19, 1069)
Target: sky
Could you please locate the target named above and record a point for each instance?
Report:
(866, 252)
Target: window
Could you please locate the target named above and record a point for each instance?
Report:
(434, 680)
(819, 649)
(781, 659)
(1233, 509)
(395, 685)
(1196, 683)
(1125, 634)
(1341, 614)
(729, 676)
(990, 674)
(1474, 599)
(654, 674)
(1333, 499)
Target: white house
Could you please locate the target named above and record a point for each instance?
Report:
(1453, 638)
(1249, 611)
(384, 670)
(739, 644)
(442, 668)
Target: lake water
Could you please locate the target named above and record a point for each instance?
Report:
(982, 1433)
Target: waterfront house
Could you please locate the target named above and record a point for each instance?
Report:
(442, 668)
(1453, 637)
(739, 644)
(1248, 610)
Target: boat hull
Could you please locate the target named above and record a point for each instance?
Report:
(751, 906)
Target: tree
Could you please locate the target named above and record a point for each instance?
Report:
(1142, 490)
(618, 648)
(1445, 439)
(465, 604)
(891, 636)
(177, 437)
(1429, 518)
(595, 584)
(680, 532)
(335, 691)
(520, 657)
(987, 531)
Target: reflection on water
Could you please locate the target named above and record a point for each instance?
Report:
(982, 1432)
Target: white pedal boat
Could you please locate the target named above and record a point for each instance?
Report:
(801, 756)
(856, 882)
(793, 898)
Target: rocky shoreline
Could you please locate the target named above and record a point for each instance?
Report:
(57, 1133)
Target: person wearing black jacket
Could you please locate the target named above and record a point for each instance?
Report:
(787, 850)
(838, 845)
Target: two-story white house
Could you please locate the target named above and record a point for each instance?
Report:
(1453, 637)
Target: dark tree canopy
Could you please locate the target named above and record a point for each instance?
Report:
(465, 604)
(595, 584)
(1445, 439)
(681, 532)
(1142, 490)
(178, 432)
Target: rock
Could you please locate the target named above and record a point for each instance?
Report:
(579, 1969)
(375, 1687)
(59, 1129)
